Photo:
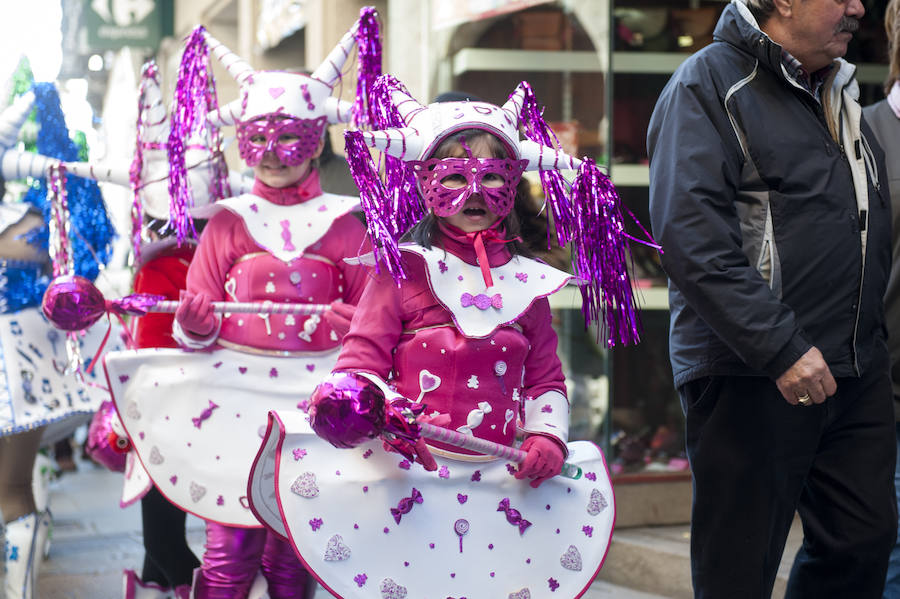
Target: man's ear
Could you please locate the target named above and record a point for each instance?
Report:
(784, 8)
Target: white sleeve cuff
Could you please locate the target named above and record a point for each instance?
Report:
(191, 342)
(548, 414)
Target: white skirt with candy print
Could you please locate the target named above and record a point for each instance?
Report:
(196, 419)
(368, 524)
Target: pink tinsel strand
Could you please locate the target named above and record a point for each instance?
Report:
(555, 188)
(149, 76)
(59, 247)
(403, 209)
(188, 114)
(368, 43)
(601, 256)
(374, 198)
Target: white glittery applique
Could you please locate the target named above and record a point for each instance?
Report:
(472, 382)
(475, 418)
(520, 594)
(155, 457)
(336, 550)
(132, 411)
(309, 327)
(392, 590)
(571, 559)
(597, 503)
(197, 492)
(305, 485)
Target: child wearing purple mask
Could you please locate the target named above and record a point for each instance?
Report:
(456, 322)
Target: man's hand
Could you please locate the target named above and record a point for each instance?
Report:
(808, 380)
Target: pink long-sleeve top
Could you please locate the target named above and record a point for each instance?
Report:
(407, 337)
(231, 264)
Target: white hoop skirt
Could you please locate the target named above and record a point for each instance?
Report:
(339, 509)
(195, 419)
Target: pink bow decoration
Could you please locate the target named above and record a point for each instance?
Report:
(205, 414)
(481, 301)
(513, 516)
(406, 505)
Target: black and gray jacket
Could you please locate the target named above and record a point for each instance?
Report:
(772, 210)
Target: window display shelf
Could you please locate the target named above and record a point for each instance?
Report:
(649, 298)
(630, 175)
(493, 59)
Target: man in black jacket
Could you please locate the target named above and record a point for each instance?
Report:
(769, 195)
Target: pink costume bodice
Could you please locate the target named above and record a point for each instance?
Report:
(409, 337)
(282, 245)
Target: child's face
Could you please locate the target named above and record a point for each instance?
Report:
(476, 214)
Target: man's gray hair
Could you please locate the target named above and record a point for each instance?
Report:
(761, 9)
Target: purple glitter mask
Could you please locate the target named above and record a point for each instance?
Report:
(446, 183)
(293, 140)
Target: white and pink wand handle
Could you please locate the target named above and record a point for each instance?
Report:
(445, 435)
(73, 303)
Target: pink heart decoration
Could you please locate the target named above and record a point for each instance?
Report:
(462, 498)
(155, 457)
(275, 92)
(173, 479)
(522, 594)
(123, 378)
(428, 382)
(336, 550)
(571, 559)
(597, 503)
(305, 485)
(242, 369)
(392, 590)
(197, 492)
(310, 367)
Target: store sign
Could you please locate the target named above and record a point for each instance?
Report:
(113, 24)
(447, 14)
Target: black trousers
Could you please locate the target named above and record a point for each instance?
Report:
(168, 560)
(756, 460)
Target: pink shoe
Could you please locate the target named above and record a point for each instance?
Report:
(133, 588)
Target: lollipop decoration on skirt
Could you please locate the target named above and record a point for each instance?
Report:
(348, 409)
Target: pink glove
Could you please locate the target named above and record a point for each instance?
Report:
(544, 460)
(195, 314)
(339, 317)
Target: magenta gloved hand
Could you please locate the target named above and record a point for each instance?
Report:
(420, 450)
(339, 317)
(195, 314)
(544, 460)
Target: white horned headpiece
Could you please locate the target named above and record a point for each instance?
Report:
(206, 173)
(272, 105)
(586, 213)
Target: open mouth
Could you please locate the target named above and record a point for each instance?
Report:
(474, 212)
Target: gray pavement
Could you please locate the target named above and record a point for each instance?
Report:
(94, 541)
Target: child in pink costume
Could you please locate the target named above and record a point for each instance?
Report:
(456, 328)
(407, 335)
(284, 242)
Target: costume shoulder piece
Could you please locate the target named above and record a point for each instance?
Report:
(286, 231)
(477, 311)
